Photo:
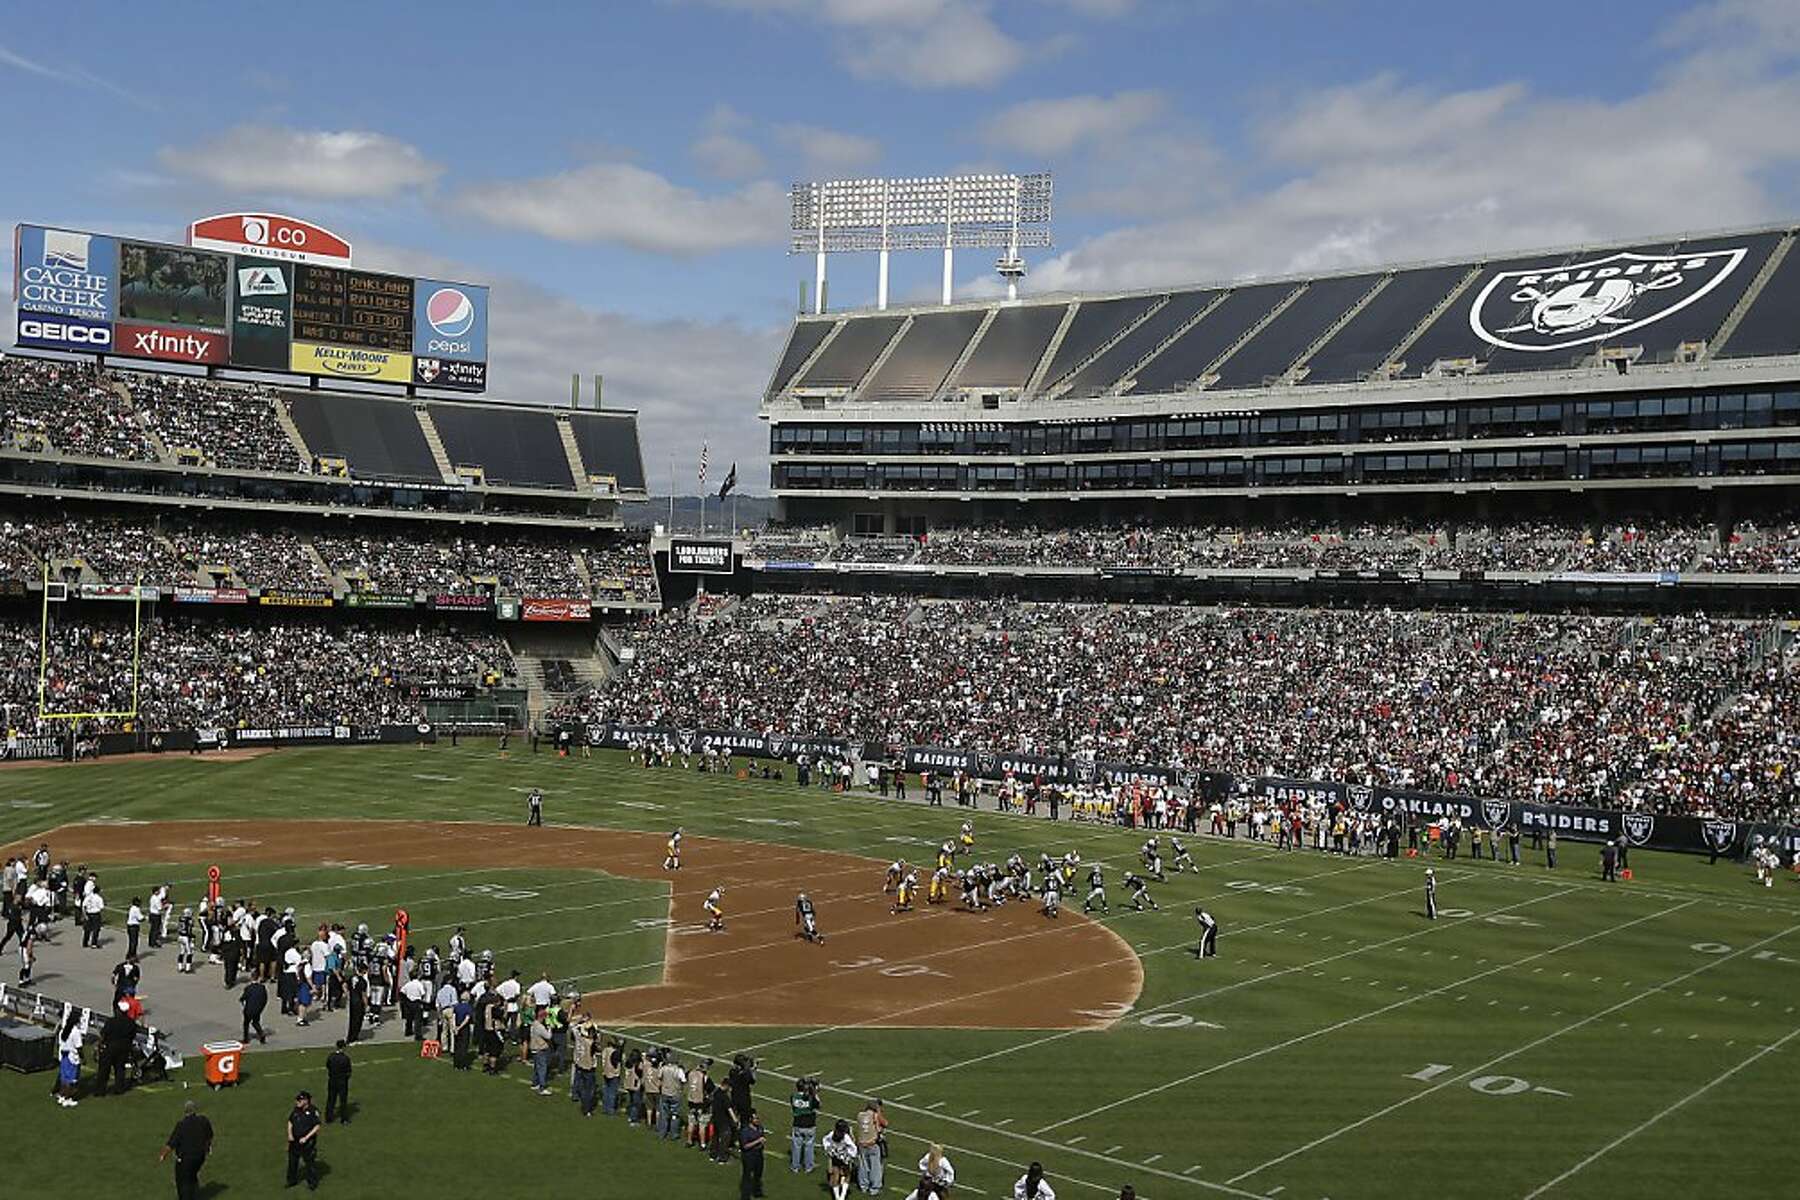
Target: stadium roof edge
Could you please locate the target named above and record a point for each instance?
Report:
(1471, 259)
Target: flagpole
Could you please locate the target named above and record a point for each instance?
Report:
(671, 493)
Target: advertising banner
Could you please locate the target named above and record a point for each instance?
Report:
(378, 600)
(22, 746)
(460, 600)
(450, 321)
(330, 735)
(550, 609)
(294, 599)
(450, 373)
(65, 274)
(211, 596)
(164, 343)
(270, 235)
(439, 691)
(71, 334)
(262, 305)
(693, 556)
(614, 736)
(348, 362)
(118, 591)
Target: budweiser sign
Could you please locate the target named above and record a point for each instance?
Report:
(539, 609)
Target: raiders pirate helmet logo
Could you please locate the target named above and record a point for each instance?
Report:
(1555, 306)
(1496, 813)
(985, 763)
(1361, 795)
(1719, 834)
(1638, 827)
(777, 746)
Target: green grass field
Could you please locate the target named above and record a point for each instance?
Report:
(1552, 1035)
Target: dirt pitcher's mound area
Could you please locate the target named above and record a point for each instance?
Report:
(938, 966)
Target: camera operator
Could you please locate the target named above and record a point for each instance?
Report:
(738, 1082)
(804, 1105)
(871, 1145)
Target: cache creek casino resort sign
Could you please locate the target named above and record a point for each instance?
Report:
(256, 291)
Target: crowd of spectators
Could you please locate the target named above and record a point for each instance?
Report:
(1767, 547)
(1672, 714)
(68, 408)
(1526, 545)
(227, 425)
(195, 674)
(621, 566)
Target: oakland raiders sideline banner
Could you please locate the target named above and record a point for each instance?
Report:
(615, 736)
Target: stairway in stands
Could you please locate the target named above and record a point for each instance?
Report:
(554, 667)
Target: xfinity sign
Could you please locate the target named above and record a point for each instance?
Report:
(64, 333)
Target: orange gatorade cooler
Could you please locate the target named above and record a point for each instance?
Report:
(222, 1060)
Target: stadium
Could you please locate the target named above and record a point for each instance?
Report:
(1314, 735)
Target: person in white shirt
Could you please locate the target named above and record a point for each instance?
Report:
(935, 1175)
(93, 907)
(1032, 1186)
(293, 968)
(445, 1002)
(134, 925)
(509, 990)
(543, 992)
(840, 1160)
(414, 993)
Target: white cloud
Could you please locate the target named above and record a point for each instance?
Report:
(919, 43)
(727, 156)
(828, 151)
(322, 164)
(1385, 170)
(1049, 128)
(631, 206)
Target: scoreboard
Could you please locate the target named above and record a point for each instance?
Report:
(94, 294)
(353, 308)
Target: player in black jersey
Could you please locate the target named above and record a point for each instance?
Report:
(807, 920)
(184, 955)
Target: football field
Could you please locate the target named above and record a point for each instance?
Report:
(1549, 1035)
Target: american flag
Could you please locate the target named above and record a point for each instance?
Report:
(703, 466)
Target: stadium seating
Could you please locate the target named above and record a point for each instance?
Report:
(214, 674)
(224, 425)
(1678, 714)
(67, 408)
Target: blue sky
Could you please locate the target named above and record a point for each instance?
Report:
(618, 172)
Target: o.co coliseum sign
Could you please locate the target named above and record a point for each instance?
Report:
(270, 235)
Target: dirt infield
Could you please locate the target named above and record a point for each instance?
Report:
(936, 967)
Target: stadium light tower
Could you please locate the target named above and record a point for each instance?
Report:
(1005, 212)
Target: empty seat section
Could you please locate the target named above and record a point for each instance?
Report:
(1012, 346)
(929, 348)
(1096, 323)
(1702, 319)
(1286, 337)
(379, 439)
(1366, 340)
(801, 343)
(851, 353)
(1128, 351)
(1186, 359)
(1772, 323)
(517, 448)
(609, 446)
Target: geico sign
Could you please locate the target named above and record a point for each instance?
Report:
(69, 333)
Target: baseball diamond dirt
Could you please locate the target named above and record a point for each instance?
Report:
(959, 969)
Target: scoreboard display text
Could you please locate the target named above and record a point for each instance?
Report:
(353, 308)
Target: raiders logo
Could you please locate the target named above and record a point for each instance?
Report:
(1638, 827)
(984, 763)
(1719, 834)
(1496, 813)
(1361, 795)
(777, 746)
(1084, 771)
(686, 741)
(1553, 307)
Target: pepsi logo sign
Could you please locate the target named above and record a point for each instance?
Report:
(450, 312)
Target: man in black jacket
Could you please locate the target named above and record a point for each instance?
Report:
(254, 999)
(191, 1141)
(337, 1085)
(115, 1049)
(303, 1141)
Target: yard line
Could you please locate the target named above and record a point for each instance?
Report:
(1472, 1072)
(1633, 1132)
(1349, 1021)
(973, 1112)
(1112, 1149)
(1077, 1139)
(1151, 1159)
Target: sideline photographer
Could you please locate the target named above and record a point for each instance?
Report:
(804, 1105)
